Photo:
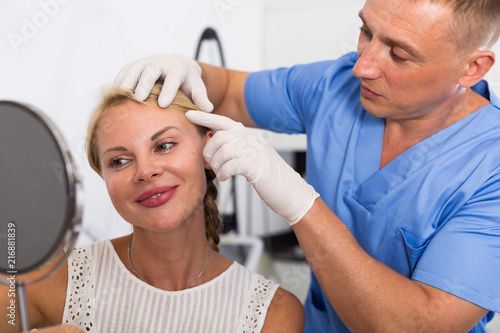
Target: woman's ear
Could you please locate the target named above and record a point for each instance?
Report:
(208, 136)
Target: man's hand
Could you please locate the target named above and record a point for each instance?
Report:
(236, 150)
(177, 71)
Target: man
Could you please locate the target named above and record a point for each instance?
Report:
(404, 148)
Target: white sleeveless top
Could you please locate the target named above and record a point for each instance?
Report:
(103, 296)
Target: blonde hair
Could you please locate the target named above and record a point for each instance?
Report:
(116, 96)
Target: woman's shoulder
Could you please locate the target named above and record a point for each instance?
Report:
(47, 297)
(285, 313)
(282, 310)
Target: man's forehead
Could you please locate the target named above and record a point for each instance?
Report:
(406, 19)
(421, 12)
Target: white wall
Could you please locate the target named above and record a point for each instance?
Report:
(299, 32)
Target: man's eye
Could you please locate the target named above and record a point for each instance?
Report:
(365, 32)
(396, 57)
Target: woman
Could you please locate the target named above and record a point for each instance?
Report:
(167, 275)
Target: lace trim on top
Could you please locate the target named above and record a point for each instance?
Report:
(79, 299)
(261, 293)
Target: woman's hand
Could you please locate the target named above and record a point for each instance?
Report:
(237, 150)
(60, 329)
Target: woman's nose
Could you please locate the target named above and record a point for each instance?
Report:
(147, 170)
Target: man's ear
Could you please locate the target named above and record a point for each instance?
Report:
(478, 64)
(208, 136)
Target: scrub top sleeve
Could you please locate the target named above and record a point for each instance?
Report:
(463, 257)
(278, 100)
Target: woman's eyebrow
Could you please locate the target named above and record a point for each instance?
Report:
(160, 132)
(114, 149)
(154, 137)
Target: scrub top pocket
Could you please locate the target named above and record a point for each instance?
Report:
(406, 252)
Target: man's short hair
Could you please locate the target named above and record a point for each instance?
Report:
(476, 23)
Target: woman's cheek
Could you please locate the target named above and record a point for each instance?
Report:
(113, 184)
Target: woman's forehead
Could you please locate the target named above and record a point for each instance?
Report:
(143, 115)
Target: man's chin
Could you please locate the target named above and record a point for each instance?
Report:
(372, 109)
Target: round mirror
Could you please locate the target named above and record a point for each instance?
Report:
(40, 196)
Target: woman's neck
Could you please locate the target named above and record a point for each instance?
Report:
(168, 261)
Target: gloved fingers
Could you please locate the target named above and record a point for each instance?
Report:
(231, 143)
(195, 87)
(170, 87)
(237, 157)
(178, 72)
(231, 168)
(220, 149)
(129, 75)
(213, 121)
(139, 74)
(150, 74)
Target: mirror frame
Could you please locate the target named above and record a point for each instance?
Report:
(74, 191)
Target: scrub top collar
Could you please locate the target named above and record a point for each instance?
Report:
(368, 175)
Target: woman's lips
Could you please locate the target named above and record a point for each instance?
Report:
(156, 197)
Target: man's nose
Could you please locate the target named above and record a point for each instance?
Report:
(368, 64)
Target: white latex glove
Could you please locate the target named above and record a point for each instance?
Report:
(178, 72)
(237, 150)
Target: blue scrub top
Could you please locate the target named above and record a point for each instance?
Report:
(432, 214)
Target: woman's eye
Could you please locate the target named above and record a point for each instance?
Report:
(117, 162)
(164, 146)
